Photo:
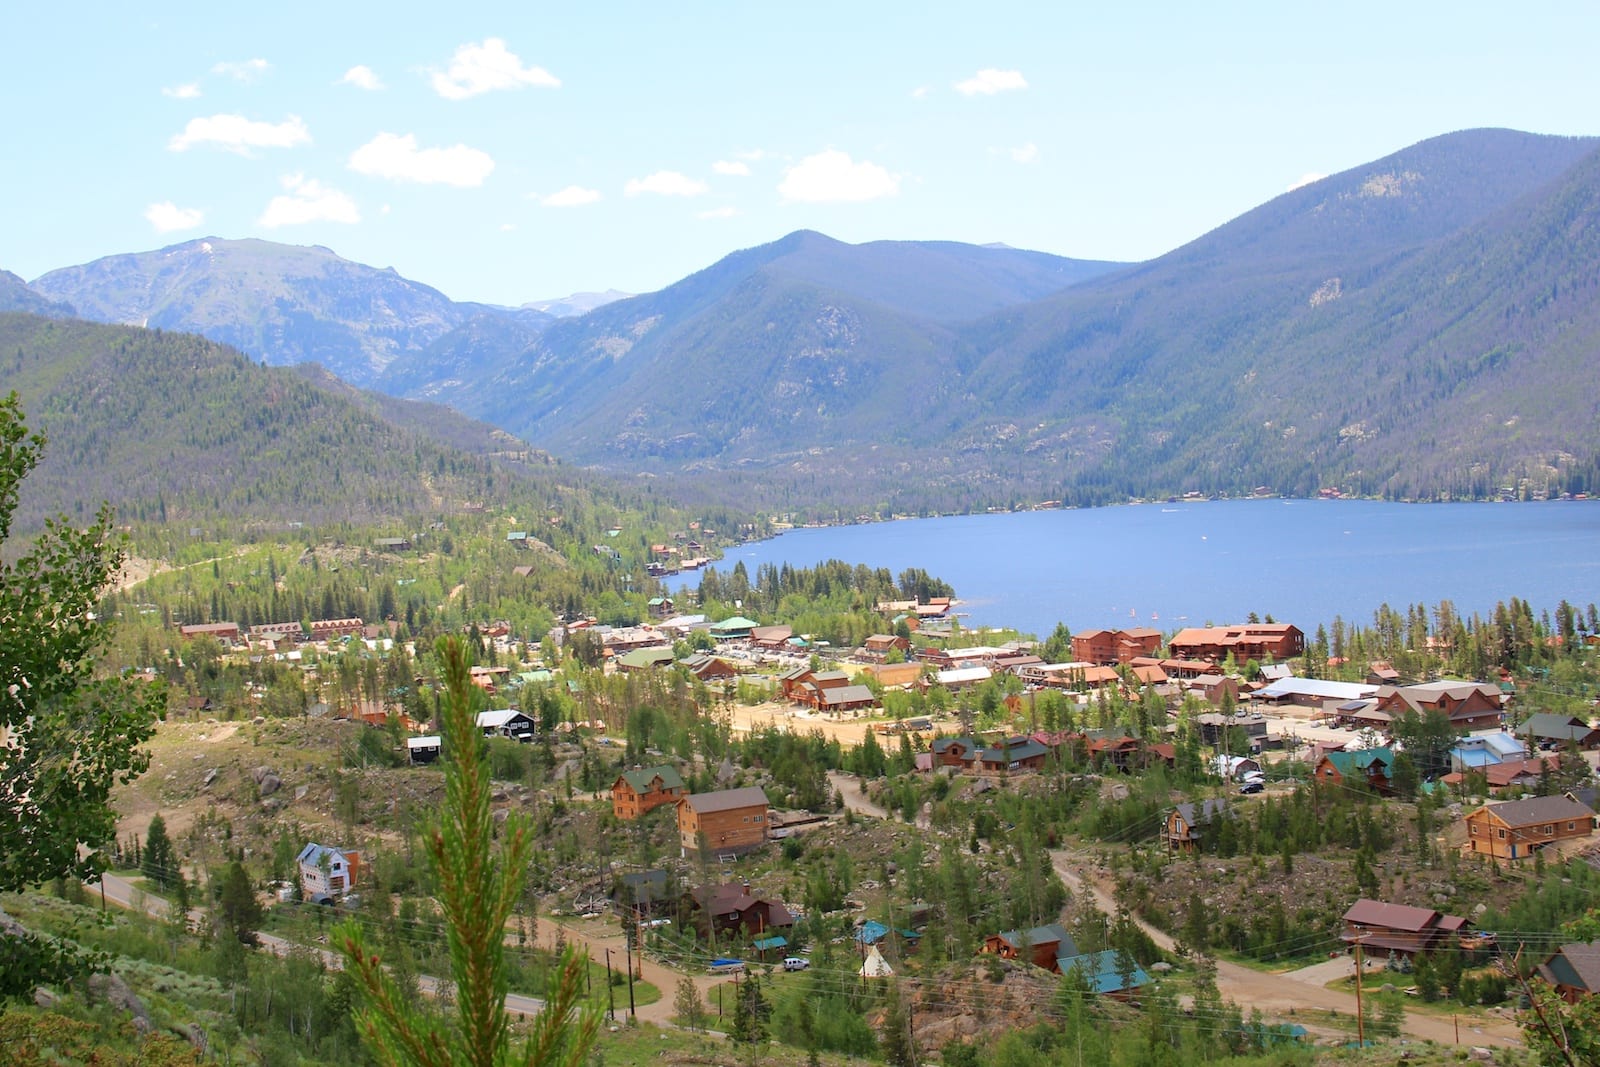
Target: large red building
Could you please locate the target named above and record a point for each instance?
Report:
(1256, 640)
(1115, 646)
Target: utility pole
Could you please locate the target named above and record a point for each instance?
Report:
(627, 945)
(1361, 1022)
(611, 997)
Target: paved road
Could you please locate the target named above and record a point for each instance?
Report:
(1297, 991)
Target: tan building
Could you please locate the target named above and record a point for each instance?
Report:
(645, 789)
(1517, 829)
(727, 821)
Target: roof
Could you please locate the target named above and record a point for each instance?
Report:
(1013, 751)
(738, 622)
(1360, 759)
(1555, 727)
(1538, 810)
(1319, 688)
(962, 675)
(1206, 811)
(848, 694)
(1392, 916)
(1100, 970)
(431, 741)
(1049, 934)
(871, 932)
(489, 720)
(1576, 966)
(726, 799)
(313, 854)
(641, 658)
(764, 944)
(641, 777)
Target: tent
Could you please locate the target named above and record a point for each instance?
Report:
(875, 966)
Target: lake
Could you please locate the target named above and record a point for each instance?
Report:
(1174, 565)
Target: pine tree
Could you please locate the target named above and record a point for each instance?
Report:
(159, 862)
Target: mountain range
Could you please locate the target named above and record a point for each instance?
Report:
(1421, 326)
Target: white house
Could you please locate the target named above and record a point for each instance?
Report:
(507, 722)
(327, 872)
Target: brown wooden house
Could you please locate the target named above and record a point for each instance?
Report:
(732, 908)
(879, 646)
(1108, 647)
(1186, 823)
(729, 821)
(1042, 946)
(1266, 640)
(645, 789)
(1573, 971)
(1390, 930)
(1517, 829)
(1468, 705)
(1372, 767)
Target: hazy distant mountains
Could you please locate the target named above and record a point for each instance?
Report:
(281, 303)
(1423, 325)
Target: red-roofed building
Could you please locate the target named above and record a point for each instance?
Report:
(1390, 930)
(1268, 640)
(1115, 646)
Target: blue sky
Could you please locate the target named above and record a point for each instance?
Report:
(509, 153)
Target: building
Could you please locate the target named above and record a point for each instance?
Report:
(1042, 946)
(1396, 930)
(1014, 755)
(709, 668)
(1372, 767)
(423, 749)
(1107, 647)
(226, 633)
(1108, 974)
(507, 722)
(1573, 971)
(328, 629)
(1468, 705)
(957, 752)
(1259, 641)
(645, 659)
(727, 822)
(878, 646)
(1547, 730)
(733, 908)
(327, 872)
(644, 789)
(1186, 823)
(1485, 748)
(1516, 829)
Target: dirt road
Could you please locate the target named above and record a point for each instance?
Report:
(1299, 991)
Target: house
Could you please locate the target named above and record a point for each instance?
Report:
(1573, 971)
(1397, 930)
(1012, 756)
(1547, 730)
(1234, 767)
(773, 638)
(643, 893)
(327, 872)
(1071, 675)
(327, 629)
(1186, 823)
(661, 607)
(732, 908)
(1120, 750)
(1271, 640)
(1372, 767)
(507, 722)
(392, 544)
(644, 789)
(1217, 689)
(709, 668)
(958, 678)
(1042, 946)
(727, 822)
(423, 749)
(845, 698)
(1468, 705)
(959, 752)
(1110, 973)
(878, 646)
(1107, 647)
(893, 675)
(1516, 829)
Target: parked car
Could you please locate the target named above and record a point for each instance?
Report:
(1251, 787)
(795, 963)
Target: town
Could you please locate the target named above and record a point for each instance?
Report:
(935, 835)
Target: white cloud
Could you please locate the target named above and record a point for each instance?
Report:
(666, 183)
(398, 158)
(989, 81)
(308, 200)
(247, 71)
(362, 77)
(482, 68)
(833, 177)
(921, 92)
(235, 133)
(733, 168)
(167, 217)
(754, 155)
(1305, 179)
(726, 212)
(1028, 153)
(571, 196)
(189, 91)
(508, 227)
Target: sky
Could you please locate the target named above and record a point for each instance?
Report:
(508, 153)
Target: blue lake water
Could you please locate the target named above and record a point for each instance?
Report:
(1174, 565)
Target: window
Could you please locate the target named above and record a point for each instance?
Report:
(761, 818)
(1548, 829)
(1473, 828)
(1501, 834)
(1572, 826)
